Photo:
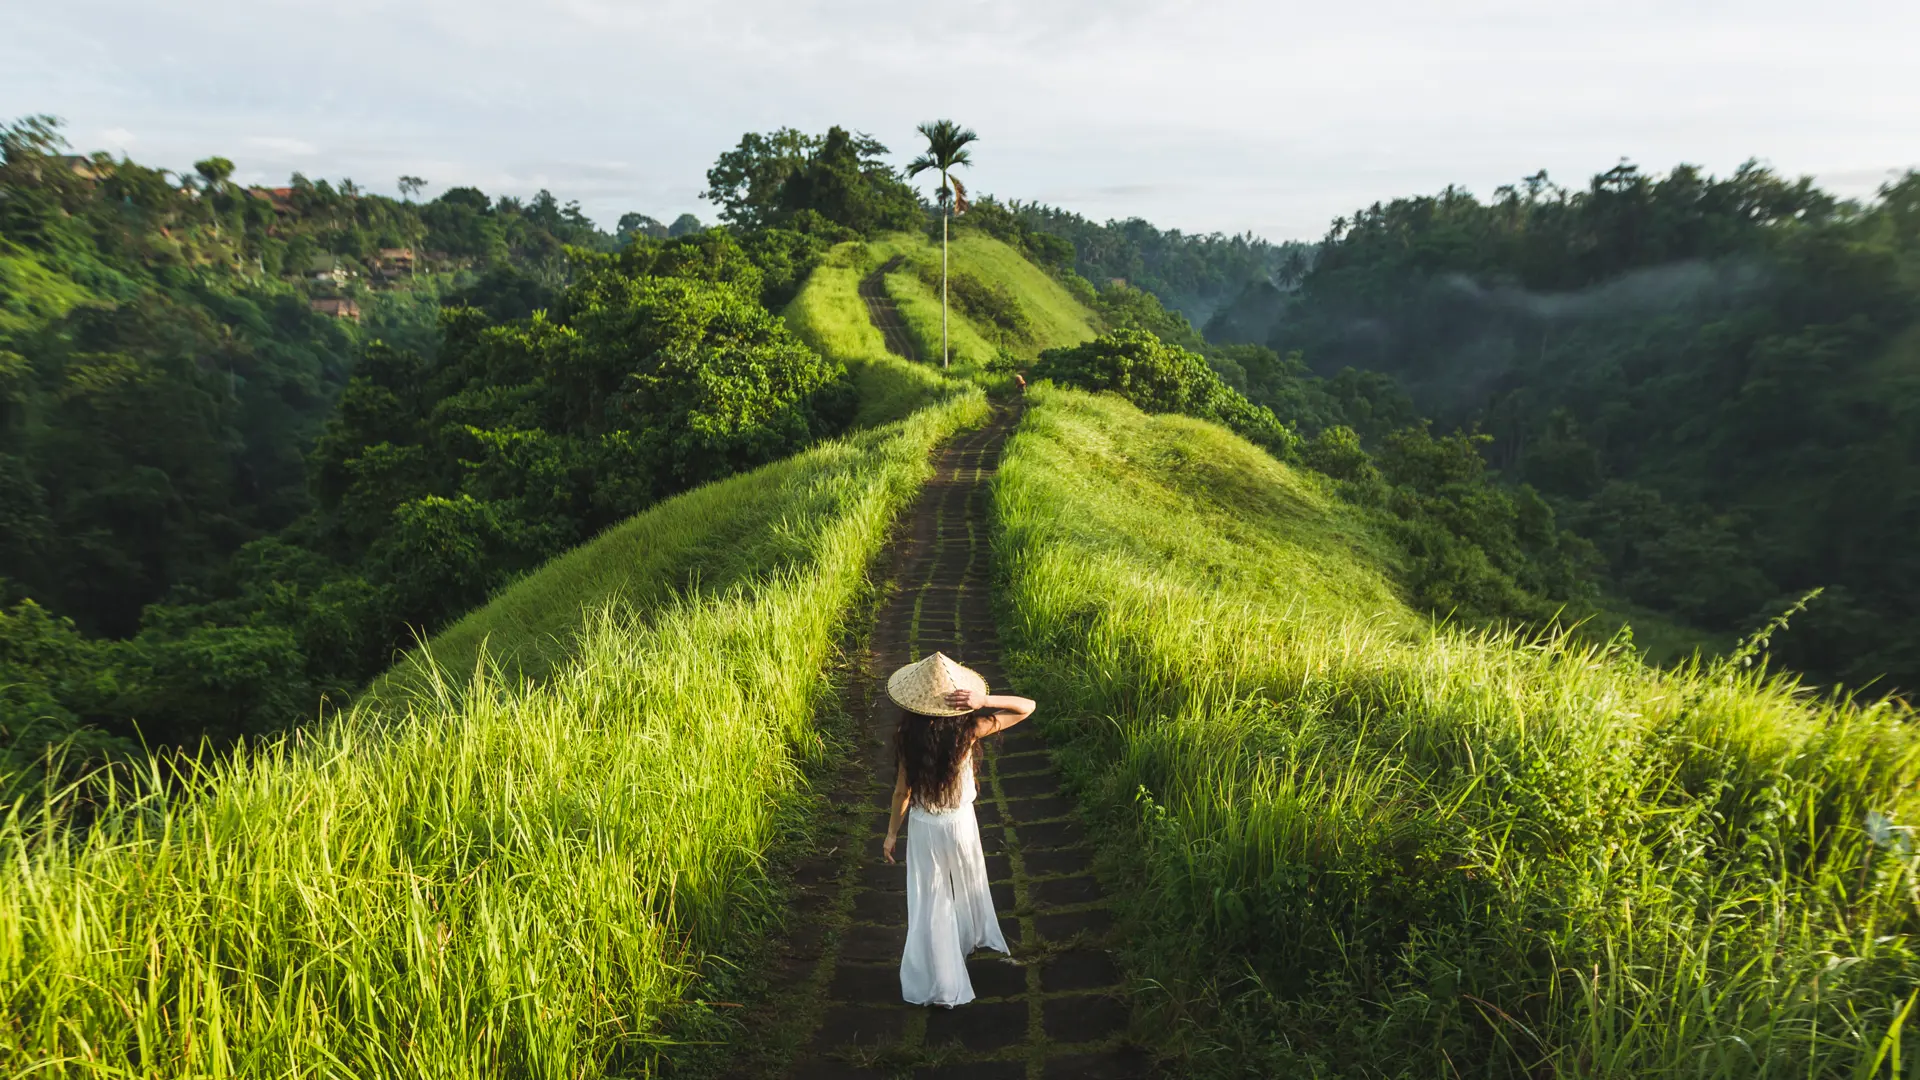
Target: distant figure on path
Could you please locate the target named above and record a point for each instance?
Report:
(945, 712)
(1020, 381)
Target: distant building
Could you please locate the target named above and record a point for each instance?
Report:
(338, 307)
(393, 262)
(83, 167)
(280, 198)
(330, 269)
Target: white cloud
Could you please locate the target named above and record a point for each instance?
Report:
(1229, 115)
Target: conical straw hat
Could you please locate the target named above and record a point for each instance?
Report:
(923, 687)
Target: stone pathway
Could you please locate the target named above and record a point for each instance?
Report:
(882, 312)
(1059, 1010)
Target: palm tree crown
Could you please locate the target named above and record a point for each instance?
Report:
(946, 151)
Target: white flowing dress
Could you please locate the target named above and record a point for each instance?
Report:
(949, 908)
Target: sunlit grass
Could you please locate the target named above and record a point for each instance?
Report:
(1057, 319)
(484, 876)
(1362, 845)
(829, 315)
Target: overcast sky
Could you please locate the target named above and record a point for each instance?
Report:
(1270, 117)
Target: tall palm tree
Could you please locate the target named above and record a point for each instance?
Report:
(946, 151)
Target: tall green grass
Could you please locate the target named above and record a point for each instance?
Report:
(1363, 845)
(482, 876)
(1055, 317)
(829, 315)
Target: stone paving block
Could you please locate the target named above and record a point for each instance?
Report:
(886, 909)
(1057, 861)
(806, 938)
(995, 977)
(1096, 922)
(792, 969)
(1123, 1064)
(816, 871)
(999, 868)
(987, 813)
(980, 1026)
(1062, 892)
(820, 1069)
(1081, 969)
(1083, 1019)
(1026, 763)
(1051, 834)
(1002, 896)
(811, 902)
(1041, 783)
(884, 877)
(865, 984)
(977, 1070)
(874, 944)
(1024, 811)
(857, 1025)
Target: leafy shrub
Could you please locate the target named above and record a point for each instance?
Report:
(1159, 377)
(990, 304)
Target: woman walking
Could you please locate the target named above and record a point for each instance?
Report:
(945, 712)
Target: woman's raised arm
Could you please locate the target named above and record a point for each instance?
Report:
(1008, 709)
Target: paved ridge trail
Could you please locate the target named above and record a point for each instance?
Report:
(1059, 1011)
(884, 314)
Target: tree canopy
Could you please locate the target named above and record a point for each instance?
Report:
(220, 501)
(772, 180)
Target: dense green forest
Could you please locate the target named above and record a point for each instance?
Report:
(1294, 593)
(254, 441)
(1715, 381)
(1194, 274)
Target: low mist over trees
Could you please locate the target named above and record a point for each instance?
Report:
(1709, 378)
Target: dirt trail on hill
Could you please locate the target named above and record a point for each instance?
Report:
(882, 312)
(1057, 1013)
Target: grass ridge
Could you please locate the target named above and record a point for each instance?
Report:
(1360, 844)
(474, 876)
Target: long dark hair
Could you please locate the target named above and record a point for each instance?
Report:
(934, 750)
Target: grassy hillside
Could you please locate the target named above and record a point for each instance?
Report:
(705, 542)
(1355, 844)
(716, 535)
(480, 880)
(1048, 313)
(829, 315)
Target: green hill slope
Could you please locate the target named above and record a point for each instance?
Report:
(829, 315)
(1355, 844)
(1000, 300)
(732, 531)
(483, 874)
